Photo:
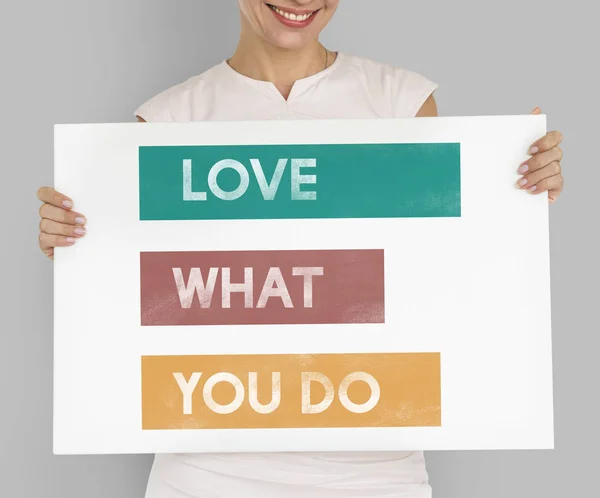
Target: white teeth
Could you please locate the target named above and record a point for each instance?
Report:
(291, 16)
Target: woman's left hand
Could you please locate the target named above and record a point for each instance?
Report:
(542, 172)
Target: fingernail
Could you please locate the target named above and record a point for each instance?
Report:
(524, 168)
(532, 189)
(80, 220)
(534, 149)
(79, 231)
(522, 182)
(70, 240)
(67, 204)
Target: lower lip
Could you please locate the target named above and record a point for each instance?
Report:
(293, 24)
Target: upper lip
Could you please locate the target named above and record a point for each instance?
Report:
(292, 10)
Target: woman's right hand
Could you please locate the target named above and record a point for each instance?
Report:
(60, 226)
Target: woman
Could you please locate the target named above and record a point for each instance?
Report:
(281, 71)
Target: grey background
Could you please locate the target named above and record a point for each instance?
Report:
(95, 61)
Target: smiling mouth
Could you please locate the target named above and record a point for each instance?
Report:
(294, 18)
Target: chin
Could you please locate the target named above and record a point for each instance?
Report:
(290, 41)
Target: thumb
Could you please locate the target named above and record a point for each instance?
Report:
(537, 110)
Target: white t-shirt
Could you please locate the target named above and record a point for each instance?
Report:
(352, 87)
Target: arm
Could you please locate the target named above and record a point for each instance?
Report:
(428, 109)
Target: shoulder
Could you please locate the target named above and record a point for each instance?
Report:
(404, 89)
(176, 102)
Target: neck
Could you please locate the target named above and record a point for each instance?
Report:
(259, 60)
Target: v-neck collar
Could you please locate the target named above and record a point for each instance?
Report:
(269, 89)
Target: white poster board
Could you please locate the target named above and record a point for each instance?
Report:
(302, 286)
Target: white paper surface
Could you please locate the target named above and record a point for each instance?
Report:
(478, 288)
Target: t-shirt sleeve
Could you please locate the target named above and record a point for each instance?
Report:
(156, 109)
(412, 90)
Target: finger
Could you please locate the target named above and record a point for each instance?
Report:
(49, 241)
(537, 110)
(555, 191)
(552, 183)
(56, 228)
(50, 196)
(48, 251)
(551, 139)
(537, 176)
(541, 160)
(61, 215)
